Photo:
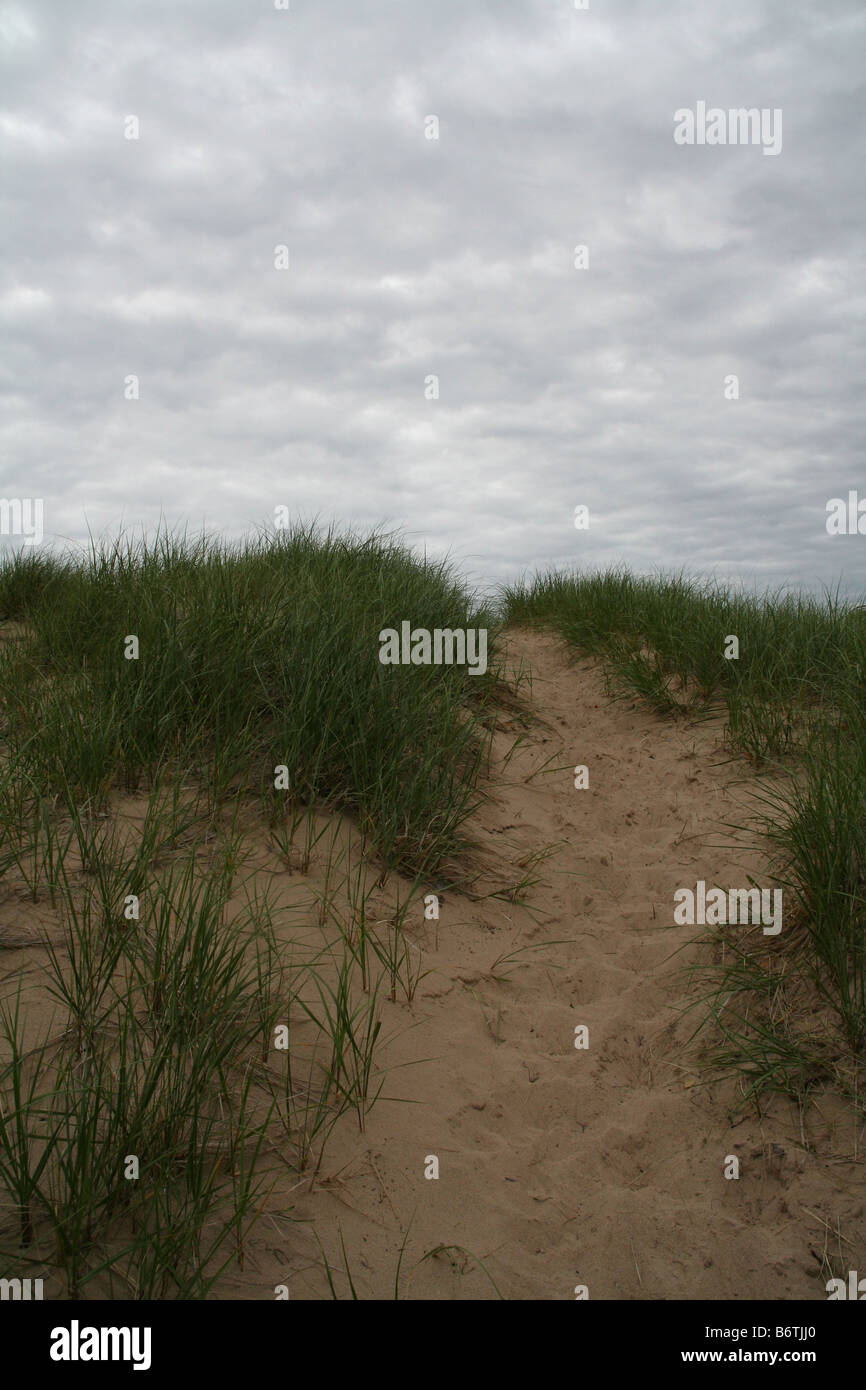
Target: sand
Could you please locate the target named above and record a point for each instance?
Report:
(600, 1167)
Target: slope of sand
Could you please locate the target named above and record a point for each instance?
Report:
(558, 1167)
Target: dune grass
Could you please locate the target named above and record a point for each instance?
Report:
(790, 1013)
(196, 1051)
(249, 658)
(224, 693)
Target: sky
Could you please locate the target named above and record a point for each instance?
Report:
(267, 254)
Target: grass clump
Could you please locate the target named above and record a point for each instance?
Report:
(249, 659)
(791, 1013)
(161, 701)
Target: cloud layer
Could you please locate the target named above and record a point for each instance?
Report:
(411, 258)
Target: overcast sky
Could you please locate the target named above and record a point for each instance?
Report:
(412, 257)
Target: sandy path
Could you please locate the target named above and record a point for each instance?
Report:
(558, 1166)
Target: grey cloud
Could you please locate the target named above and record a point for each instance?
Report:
(454, 257)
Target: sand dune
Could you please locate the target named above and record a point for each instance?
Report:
(558, 1167)
(562, 1167)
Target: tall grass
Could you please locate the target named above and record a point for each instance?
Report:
(139, 1135)
(250, 658)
